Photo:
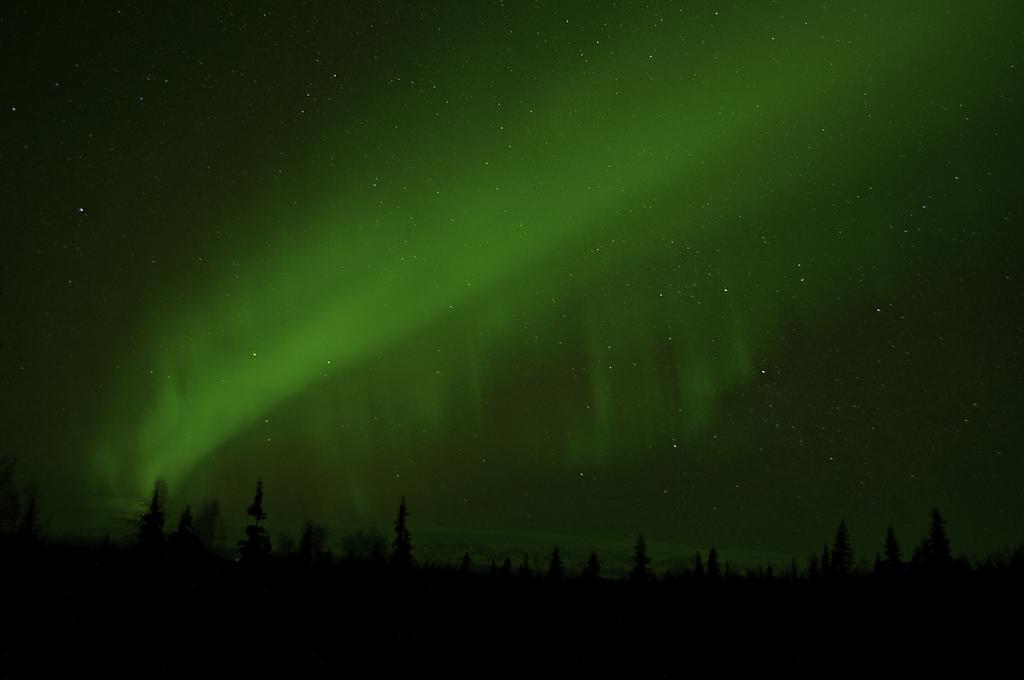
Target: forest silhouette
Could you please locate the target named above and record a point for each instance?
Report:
(174, 601)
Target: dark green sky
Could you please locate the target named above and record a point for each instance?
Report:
(721, 272)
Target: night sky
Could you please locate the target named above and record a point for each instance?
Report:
(721, 272)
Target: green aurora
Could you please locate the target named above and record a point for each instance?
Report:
(719, 272)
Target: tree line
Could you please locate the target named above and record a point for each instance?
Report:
(932, 556)
(196, 535)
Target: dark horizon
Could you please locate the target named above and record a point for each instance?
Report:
(202, 538)
(313, 612)
(22, 514)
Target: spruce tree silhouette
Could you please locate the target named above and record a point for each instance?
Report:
(698, 566)
(893, 561)
(592, 570)
(934, 554)
(401, 556)
(826, 562)
(184, 542)
(255, 509)
(151, 524)
(467, 564)
(256, 546)
(555, 566)
(842, 552)
(714, 572)
(641, 572)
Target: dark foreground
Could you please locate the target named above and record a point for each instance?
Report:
(74, 609)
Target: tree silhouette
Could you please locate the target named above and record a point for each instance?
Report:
(467, 563)
(256, 508)
(151, 524)
(698, 566)
(555, 567)
(185, 524)
(592, 570)
(641, 572)
(934, 553)
(826, 562)
(842, 552)
(893, 561)
(401, 556)
(185, 542)
(256, 546)
(714, 572)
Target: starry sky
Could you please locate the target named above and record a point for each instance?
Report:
(722, 272)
